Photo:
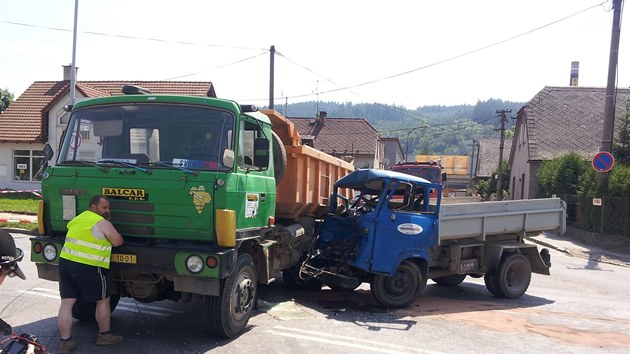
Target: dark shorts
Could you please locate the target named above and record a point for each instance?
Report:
(84, 282)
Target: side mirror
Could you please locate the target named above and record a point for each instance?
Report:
(261, 153)
(228, 158)
(48, 152)
(443, 177)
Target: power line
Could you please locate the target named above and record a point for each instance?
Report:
(456, 56)
(218, 67)
(131, 37)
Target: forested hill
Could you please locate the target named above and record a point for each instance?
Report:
(451, 130)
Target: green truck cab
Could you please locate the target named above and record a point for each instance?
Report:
(192, 185)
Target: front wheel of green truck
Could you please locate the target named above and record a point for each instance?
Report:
(400, 290)
(230, 311)
(86, 311)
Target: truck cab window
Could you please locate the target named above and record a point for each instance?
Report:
(249, 132)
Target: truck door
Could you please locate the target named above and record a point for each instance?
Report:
(402, 230)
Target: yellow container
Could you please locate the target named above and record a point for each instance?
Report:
(226, 227)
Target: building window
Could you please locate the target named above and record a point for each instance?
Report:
(26, 164)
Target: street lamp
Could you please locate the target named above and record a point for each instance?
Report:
(409, 133)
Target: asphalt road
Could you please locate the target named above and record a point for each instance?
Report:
(581, 308)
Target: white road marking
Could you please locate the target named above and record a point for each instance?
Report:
(346, 341)
(129, 306)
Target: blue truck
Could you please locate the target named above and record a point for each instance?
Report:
(394, 236)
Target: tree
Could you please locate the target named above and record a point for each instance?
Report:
(560, 175)
(6, 98)
(621, 145)
(487, 189)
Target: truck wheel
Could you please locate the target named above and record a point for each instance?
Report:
(292, 280)
(450, 280)
(512, 278)
(400, 290)
(489, 280)
(279, 158)
(230, 311)
(86, 311)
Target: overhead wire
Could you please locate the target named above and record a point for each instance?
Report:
(455, 56)
(160, 40)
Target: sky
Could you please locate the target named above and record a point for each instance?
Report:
(409, 53)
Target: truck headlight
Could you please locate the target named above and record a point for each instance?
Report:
(194, 264)
(50, 252)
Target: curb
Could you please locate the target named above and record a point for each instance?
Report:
(18, 221)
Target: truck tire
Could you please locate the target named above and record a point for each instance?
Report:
(489, 280)
(86, 311)
(400, 290)
(279, 158)
(512, 277)
(450, 280)
(230, 311)
(292, 280)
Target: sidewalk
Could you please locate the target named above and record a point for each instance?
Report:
(602, 252)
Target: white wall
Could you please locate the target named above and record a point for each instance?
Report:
(520, 170)
(57, 120)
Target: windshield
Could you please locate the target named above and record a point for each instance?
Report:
(192, 137)
(431, 174)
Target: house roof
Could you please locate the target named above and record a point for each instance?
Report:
(22, 121)
(488, 159)
(339, 136)
(561, 120)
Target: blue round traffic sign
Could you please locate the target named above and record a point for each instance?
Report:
(603, 161)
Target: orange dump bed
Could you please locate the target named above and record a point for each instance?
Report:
(310, 174)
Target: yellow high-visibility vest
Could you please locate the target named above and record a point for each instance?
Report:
(82, 246)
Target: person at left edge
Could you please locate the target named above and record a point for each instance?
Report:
(84, 270)
(9, 258)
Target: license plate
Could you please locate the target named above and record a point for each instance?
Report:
(124, 258)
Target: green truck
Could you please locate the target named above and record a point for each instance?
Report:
(211, 198)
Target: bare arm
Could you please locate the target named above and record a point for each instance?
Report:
(110, 233)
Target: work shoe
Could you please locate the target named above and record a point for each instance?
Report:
(66, 346)
(108, 339)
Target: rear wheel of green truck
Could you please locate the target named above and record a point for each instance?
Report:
(401, 289)
(230, 311)
(512, 277)
(86, 311)
(279, 158)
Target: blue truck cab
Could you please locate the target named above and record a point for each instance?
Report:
(382, 236)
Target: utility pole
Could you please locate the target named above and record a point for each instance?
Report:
(502, 120)
(611, 87)
(272, 54)
(73, 74)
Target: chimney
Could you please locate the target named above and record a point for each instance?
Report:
(575, 71)
(322, 117)
(67, 72)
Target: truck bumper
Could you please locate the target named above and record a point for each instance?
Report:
(164, 260)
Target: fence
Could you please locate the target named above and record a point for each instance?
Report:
(612, 217)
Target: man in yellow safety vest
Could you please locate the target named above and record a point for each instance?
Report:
(84, 270)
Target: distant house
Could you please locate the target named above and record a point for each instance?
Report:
(393, 152)
(37, 117)
(486, 159)
(557, 121)
(351, 139)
